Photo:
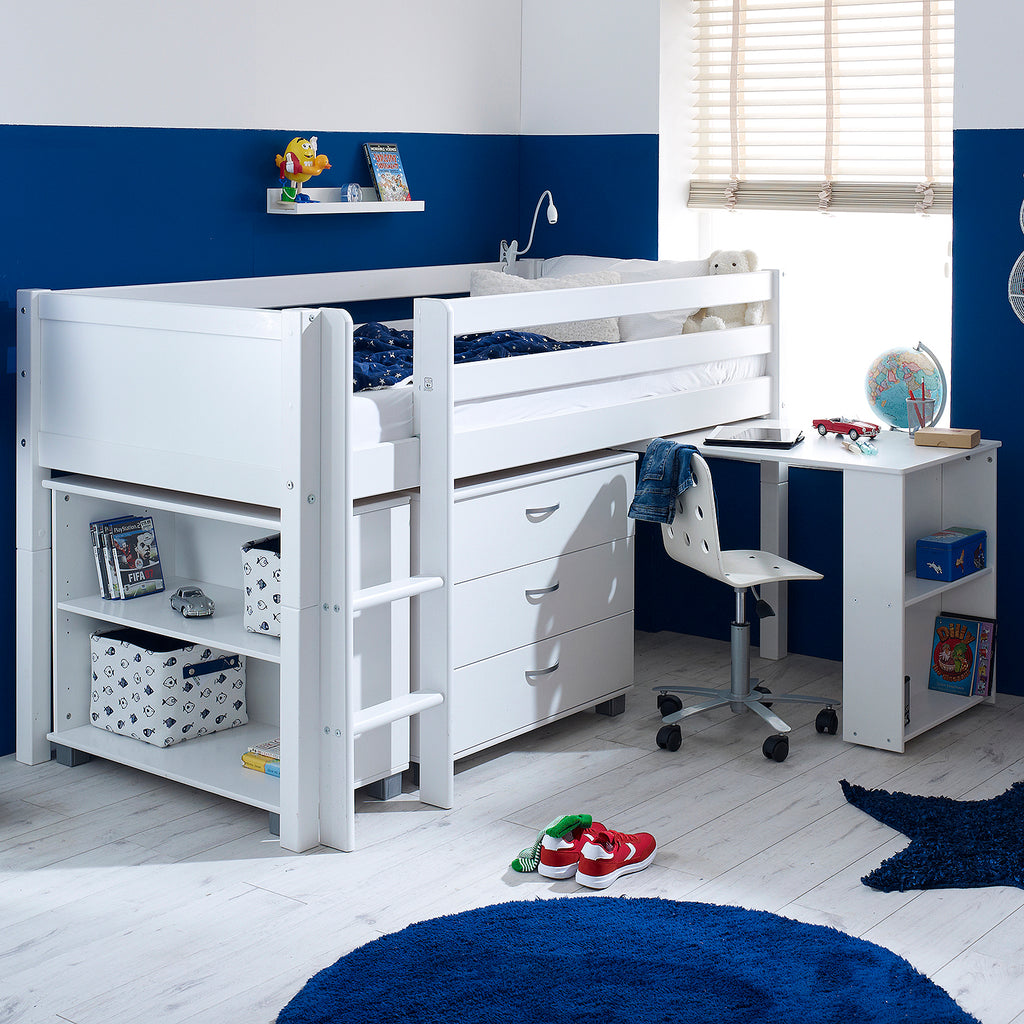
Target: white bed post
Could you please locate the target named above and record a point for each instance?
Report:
(337, 696)
(775, 499)
(300, 580)
(33, 613)
(434, 423)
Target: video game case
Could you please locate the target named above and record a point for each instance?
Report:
(136, 557)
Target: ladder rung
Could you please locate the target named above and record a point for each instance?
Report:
(389, 711)
(395, 590)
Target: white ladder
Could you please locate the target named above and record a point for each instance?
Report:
(430, 586)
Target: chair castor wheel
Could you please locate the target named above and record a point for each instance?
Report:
(827, 721)
(670, 737)
(668, 704)
(775, 748)
(763, 689)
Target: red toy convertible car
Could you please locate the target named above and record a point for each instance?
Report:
(844, 425)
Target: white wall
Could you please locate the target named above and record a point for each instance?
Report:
(449, 66)
(678, 228)
(987, 83)
(590, 67)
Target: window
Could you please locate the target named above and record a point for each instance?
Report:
(823, 104)
(818, 126)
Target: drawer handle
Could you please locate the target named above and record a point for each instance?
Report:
(541, 591)
(534, 514)
(541, 671)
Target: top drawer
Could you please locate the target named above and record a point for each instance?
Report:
(511, 520)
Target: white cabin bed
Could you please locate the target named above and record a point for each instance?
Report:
(231, 402)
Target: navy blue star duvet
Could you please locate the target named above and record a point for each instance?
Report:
(383, 356)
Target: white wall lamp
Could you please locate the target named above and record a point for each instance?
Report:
(510, 251)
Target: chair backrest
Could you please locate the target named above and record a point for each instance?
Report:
(692, 536)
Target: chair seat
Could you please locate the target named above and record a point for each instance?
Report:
(747, 568)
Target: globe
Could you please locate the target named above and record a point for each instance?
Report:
(899, 374)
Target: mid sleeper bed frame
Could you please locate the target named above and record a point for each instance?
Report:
(233, 399)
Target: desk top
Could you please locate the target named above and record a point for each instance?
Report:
(897, 452)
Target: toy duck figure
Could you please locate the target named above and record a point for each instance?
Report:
(299, 163)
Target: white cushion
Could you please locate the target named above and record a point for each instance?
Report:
(494, 282)
(637, 325)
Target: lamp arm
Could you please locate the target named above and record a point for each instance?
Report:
(536, 213)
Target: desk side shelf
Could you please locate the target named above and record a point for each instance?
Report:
(888, 613)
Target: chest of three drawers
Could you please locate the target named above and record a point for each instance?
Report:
(543, 601)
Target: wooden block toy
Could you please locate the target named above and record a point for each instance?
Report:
(947, 437)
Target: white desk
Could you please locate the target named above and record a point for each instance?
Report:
(889, 501)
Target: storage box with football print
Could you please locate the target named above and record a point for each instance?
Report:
(161, 690)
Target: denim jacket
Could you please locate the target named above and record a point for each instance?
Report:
(664, 475)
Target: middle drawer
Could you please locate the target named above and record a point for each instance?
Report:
(506, 610)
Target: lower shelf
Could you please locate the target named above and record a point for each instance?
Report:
(929, 708)
(211, 763)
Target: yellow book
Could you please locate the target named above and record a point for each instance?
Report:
(261, 763)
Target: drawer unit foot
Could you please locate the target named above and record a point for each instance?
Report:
(612, 707)
(385, 789)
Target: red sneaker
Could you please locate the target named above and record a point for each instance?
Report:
(559, 855)
(610, 854)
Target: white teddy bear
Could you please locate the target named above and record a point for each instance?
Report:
(739, 314)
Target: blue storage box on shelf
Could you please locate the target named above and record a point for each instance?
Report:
(951, 554)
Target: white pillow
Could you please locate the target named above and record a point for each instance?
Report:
(494, 282)
(637, 325)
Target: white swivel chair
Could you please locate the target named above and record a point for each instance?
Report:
(692, 539)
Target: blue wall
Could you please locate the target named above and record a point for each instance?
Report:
(131, 206)
(988, 339)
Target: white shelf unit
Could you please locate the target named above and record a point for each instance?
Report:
(329, 200)
(889, 614)
(200, 542)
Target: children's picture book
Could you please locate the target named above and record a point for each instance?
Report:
(270, 748)
(387, 172)
(259, 763)
(963, 655)
(136, 559)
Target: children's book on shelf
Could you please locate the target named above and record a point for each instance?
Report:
(126, 556)
(270, 748)
(260, 763)
(387, 172)
(963, 655)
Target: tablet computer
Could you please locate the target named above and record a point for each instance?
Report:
(755, 436)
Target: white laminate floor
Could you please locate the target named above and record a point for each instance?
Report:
(125, 899)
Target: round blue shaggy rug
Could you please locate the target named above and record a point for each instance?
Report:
(619, 960)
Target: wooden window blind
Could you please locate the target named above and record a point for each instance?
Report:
(823, 104)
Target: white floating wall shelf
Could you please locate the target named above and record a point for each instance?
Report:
(330, 201)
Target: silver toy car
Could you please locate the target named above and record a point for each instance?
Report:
(191, 602)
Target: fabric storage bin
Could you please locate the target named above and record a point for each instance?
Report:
(160, 690)
(261, 583)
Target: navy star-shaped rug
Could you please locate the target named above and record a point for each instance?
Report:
(954, 844)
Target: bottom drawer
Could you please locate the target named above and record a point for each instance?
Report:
(509, 694)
